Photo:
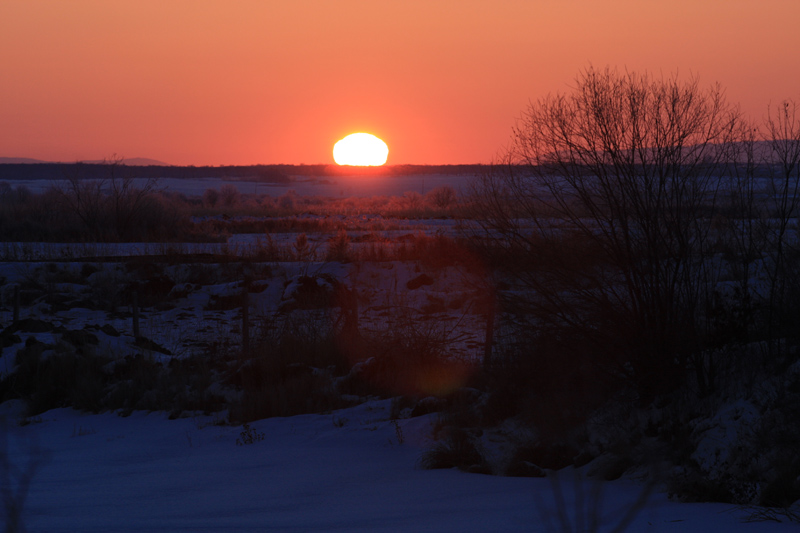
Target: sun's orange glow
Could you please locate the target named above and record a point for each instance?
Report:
(251, 81)
(360, 149)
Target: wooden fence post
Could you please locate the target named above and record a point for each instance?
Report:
(491, 309)
(245, 317)
(16, 304)
(135, 305)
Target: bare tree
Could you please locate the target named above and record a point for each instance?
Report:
(782, 135)
(210, 197)
(109, 207)
(741, 235)
(83, 198)
(616, 181)
(412, 200)
(127, 200)
(229, 195)
(442, 197)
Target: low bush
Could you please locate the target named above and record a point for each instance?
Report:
(338, 247)
(551, 380)
(64, 375)
(52, 376)
(290, 369)
(457, 450)
(249, 436)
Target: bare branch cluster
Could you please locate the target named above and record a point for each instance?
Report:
(111, 207)
(610, 206)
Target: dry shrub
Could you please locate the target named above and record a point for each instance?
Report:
(290, 369)
(339, 247)
(229, 195)
(409, 356)
(61, 378)
(442, 197)
(71, 374)
(459, 450)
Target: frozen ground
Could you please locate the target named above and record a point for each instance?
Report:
(330, 186)
(352, 470)
(342, 472)
(387, 231)
(190, 316)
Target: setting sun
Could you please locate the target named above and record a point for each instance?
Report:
(360, 149)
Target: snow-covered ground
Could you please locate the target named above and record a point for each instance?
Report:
(330, 186)
(351, 470)
(348, 471)
(239, 244)
(188, 317)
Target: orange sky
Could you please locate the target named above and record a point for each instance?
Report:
(210, 82)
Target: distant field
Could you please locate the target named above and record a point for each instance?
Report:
(330, 186)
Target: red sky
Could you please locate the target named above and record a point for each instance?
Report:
(209, 82)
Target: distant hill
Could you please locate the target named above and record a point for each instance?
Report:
(133, 161)
(19, 161)
(100, 170)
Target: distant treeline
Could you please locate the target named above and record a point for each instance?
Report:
(261, 173)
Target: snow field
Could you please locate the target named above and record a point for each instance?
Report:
(340, 472)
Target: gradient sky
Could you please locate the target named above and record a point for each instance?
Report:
(210, 82)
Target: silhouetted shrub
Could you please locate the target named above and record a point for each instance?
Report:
(338, 247)
(62, 378)
(229, 195)
(290, 369)
(457, 450)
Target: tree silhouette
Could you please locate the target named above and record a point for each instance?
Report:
(616, 181)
